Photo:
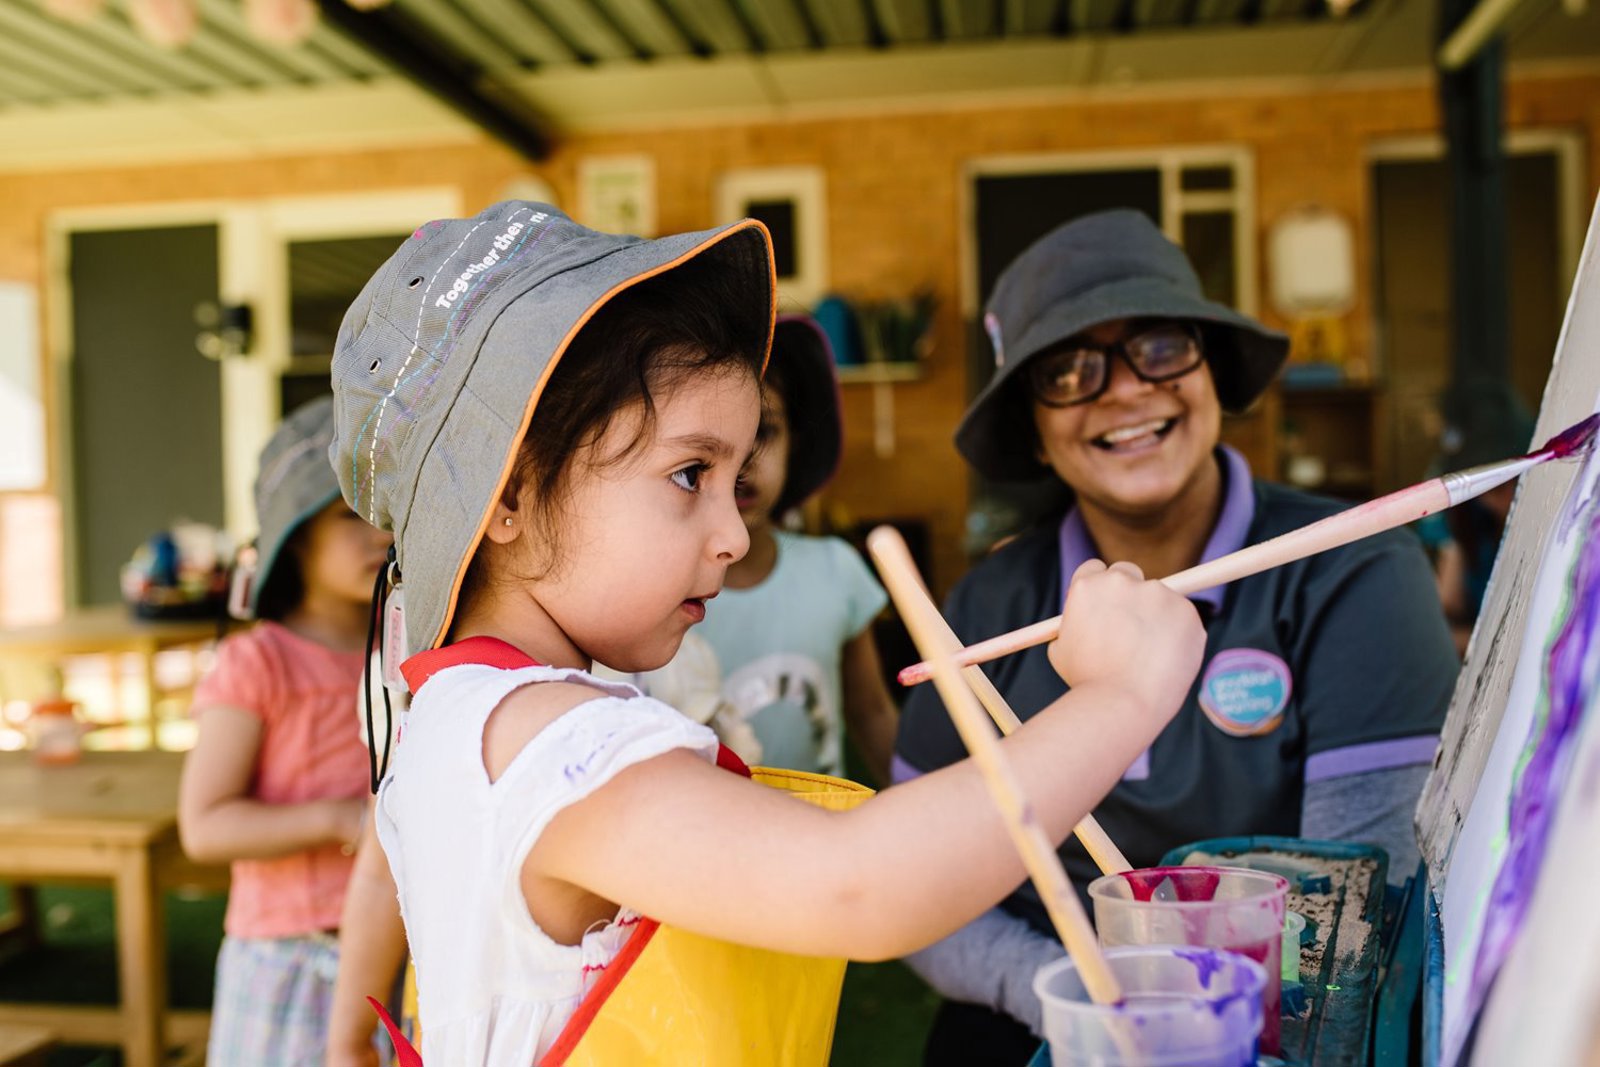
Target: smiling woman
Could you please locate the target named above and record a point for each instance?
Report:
(1324, 683)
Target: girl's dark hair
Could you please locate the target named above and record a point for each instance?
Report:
(692, 319)
(285, 586)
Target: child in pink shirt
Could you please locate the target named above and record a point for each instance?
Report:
(276, 783)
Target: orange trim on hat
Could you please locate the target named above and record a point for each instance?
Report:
(555, 358)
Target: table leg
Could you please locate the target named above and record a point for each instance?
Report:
(141, 960)
(19, 930)
(152, 693)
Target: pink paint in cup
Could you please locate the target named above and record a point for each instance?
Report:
(1217, 907)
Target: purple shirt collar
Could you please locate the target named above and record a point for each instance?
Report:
(1233, 527)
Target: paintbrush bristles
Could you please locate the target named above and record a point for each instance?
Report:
(1578, 437)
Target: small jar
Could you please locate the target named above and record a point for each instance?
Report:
(53, 732)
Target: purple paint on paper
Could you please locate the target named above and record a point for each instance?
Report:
(1570, 685)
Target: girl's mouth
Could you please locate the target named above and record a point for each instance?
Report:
(1135, 437)
(695, 608)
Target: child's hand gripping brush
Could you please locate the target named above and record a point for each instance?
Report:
(1197, 1002)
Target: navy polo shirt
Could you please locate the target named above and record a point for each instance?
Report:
(1334, 665)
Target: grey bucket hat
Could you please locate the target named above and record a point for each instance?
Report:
(441, 360)
(294, 482)
(1105, 266)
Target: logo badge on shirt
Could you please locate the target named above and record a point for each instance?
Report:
(1245, 690)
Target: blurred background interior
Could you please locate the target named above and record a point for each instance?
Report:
(194, 190)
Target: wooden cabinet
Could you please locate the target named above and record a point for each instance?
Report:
(1331, 440)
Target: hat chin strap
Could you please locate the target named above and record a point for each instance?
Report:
(242, 583)
(392, 613)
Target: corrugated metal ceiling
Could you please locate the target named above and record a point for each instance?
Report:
(45, 60)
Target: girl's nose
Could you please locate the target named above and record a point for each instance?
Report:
(729, 538)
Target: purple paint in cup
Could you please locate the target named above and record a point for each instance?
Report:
(1181, 1007)
(1217, 907)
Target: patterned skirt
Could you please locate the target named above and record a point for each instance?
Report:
(272, 1001)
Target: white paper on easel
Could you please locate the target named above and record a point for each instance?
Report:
(1463, 820)
(1543, 1007)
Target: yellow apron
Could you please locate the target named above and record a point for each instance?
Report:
(696, 1001)
(676, 998)
(672, 997)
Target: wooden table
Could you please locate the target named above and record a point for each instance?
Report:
(110, 817)
(25, 1046)
(108, 630)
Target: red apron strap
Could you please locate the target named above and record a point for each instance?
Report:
(408, 1056)
(617, 969)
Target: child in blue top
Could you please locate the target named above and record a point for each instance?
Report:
(792, 626)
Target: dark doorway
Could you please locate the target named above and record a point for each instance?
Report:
(146, 406)
(1412, 289)
(1011, 212)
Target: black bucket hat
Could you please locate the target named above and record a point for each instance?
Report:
(802, 370)
(1110, 265)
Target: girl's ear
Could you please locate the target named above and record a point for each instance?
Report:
(504, 524)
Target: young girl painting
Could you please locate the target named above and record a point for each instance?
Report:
(554, 421)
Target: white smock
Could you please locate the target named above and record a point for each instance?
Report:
(493, 988)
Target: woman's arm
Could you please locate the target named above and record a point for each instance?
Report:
(219, 821)
(990, 961)
(372, 949)
(1373, 808)
(870, 716)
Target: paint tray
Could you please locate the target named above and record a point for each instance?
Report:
(1339, 888)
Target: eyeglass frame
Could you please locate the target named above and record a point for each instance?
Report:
(1119, 349)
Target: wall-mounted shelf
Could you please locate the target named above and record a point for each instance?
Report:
(869, 373)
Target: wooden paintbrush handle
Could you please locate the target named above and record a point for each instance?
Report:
(1106, 855)
(1038, 854)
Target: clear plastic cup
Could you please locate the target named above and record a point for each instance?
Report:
(1219, 907)
(1181, 1007)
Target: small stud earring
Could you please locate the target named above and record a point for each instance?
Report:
(508, 521)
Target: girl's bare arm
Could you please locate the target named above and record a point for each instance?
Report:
(697, 847)
(372, 949)
(218, 819)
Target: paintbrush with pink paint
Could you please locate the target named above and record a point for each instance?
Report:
(1376, 516)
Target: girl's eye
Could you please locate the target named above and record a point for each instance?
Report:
(688, 479)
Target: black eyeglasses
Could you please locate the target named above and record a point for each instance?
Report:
(1077, 372)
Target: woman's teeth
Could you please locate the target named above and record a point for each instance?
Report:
(1128, 434)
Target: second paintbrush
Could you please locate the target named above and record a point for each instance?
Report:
(1385, 513)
